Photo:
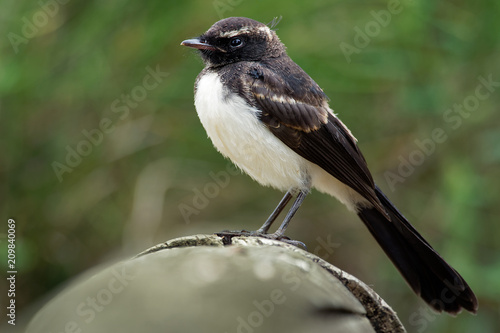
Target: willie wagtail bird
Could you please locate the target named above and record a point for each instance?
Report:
(262, 111)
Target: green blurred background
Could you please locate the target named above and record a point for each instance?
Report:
(64, 67)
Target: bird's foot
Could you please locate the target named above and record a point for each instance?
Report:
(227, 235)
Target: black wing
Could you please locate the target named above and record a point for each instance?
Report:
(295, 110)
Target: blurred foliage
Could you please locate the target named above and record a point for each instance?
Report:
(61, 77)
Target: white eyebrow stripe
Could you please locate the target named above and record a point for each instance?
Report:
(244, 30)
(267, 31)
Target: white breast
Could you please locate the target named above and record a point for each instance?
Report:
(237, 133)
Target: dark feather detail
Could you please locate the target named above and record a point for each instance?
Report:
(295, 109)
(422, 267)
(333, 149)
(256, 73)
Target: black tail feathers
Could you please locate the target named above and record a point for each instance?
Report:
(422, 267)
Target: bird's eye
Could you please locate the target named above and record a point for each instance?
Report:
(236, 42)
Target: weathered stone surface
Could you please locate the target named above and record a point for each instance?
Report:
(198, 284)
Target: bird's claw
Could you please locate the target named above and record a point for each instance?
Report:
(227, 235)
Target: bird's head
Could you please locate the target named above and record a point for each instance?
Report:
(236, 39)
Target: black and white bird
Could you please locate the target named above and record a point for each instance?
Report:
(267, 115)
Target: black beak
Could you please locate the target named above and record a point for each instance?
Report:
(198, 44)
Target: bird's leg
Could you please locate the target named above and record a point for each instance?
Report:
(280, 233)
(286, 198)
